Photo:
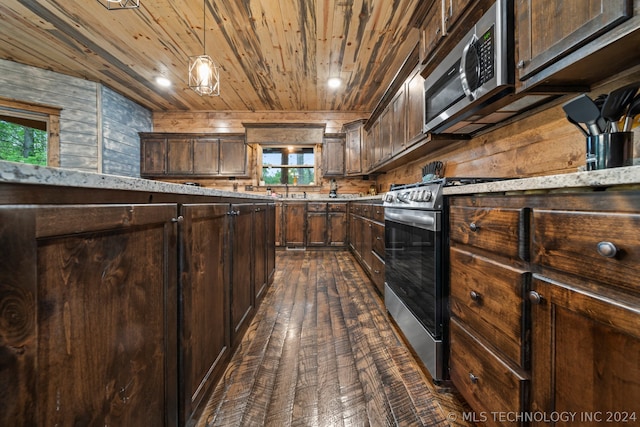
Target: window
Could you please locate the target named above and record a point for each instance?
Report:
(29, 133)
(288, 165)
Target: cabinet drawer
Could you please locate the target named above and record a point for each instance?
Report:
(337, 207)
(366, 210)
(316, 207)
(377, 238)
(488, 296)
(377, 272)
(356, 209)
(377, 213)
(600, 246)
(486, 382)
(497, 230)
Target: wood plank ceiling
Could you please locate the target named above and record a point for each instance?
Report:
(274, 54)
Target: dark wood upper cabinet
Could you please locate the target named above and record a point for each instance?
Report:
(333, 154)
(192, 155)
(415, 107)
(233, 157)
(354, 149)
(551, 33)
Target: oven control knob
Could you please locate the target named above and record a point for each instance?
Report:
(388, 198)
(427, 195)
(402, 197)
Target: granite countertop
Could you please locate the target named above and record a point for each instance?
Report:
(30, 174)
(614, 177)
(20, 173)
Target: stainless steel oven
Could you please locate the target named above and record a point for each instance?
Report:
(415, 292)
(416, 267)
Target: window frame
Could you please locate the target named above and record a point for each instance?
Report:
(38, 112)
(314, 166)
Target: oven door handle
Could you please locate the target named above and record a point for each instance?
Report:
(427, 220)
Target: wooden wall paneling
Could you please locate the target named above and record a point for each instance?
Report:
(77, 99)
(121, 120)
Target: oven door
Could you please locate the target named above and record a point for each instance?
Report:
(413, 264)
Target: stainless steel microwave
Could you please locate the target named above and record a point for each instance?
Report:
(476, 74)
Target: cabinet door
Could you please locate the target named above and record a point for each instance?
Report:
(279, 227)
(294, 224)
(373, 149)
(431, 31)
(398, 122)
(453, 11)
(242, 296)
(88, 298)
(179, 156)
(233, 157)
(353, 151)
(385, 143)
(586, 348)
(549, 30)
(415, 108)
(205, 156)
(337, 229)
(153, 156)
(259, 250)
(367, 244)
(333, 156)
(316, 228)
(204, 286)
(271, 241)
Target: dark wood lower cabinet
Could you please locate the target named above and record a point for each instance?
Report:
(204, 300)
(259, 250)
(242, 292)
(88, 315)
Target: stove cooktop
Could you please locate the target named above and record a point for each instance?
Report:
(427, 195)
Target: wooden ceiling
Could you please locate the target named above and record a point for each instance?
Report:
(274, 54)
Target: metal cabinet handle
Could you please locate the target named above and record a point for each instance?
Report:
(473, 378)
(520, 64)
(376, 271)
(535, 298)
(179, 219)
(607, 249)
(474, 227)
(475, 296)
(378, 238)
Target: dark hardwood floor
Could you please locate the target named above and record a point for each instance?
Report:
(322, 352)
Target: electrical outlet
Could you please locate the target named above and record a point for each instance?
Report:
(248, 188)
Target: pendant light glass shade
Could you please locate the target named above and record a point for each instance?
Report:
(120, 4)
(204, 74)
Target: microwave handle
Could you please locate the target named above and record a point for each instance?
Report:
(464, 79)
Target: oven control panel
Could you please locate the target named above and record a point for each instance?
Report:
(415, 197)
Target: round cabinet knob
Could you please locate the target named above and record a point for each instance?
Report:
(521, 64)
(475, 296)
(473, 227)
(535, 298)
(607, 249)
(179, 219)
(473, 378)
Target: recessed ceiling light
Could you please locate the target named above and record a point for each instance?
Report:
(163, 81)
(334, 82)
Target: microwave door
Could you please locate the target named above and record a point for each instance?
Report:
(439, 97)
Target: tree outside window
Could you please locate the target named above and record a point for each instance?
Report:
(288, 165)
(22, 143)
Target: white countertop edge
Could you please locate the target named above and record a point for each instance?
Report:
(598, 178)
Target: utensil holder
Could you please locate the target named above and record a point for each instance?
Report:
(609, 150)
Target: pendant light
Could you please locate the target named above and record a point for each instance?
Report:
(120, 4)
(204, 75)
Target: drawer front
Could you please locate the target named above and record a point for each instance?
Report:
(489, 298)
(367, 209)
(356, 208)
(487, 383)
(497, 230)
(316, 207)
(377, 213)
(377, 238)
(594, 245)
(337, 207)
(377, 272)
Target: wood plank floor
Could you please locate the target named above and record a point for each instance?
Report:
(322, 352)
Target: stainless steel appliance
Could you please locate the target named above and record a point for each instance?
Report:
(416, 286)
